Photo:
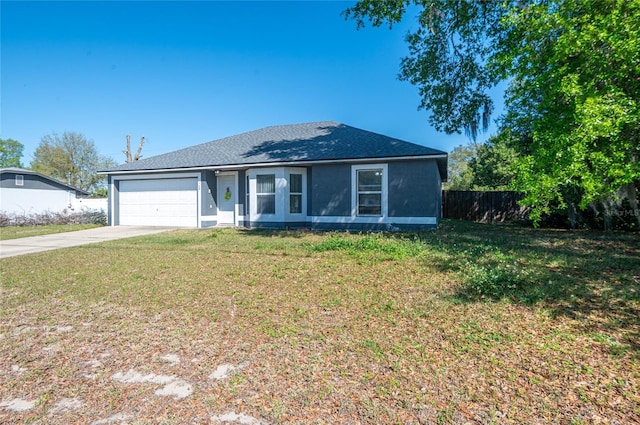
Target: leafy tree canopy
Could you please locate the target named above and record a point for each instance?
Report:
(487, 166)
(573, 100)
(71, 158)
(461, 176)
(10, 153)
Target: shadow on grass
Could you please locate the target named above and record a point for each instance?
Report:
(592, 277)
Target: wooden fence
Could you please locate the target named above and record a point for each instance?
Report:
(485, 207)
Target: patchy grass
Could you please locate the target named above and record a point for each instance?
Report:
(470, 323)
(15, 232)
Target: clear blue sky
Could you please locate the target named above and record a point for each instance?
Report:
(184, 73)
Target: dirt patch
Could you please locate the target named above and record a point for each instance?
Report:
(65, 405)
(18, 405)
(225, 370)
(172, 385)
(235, 418)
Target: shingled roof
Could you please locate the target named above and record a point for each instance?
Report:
(308, 142)
(14, 170)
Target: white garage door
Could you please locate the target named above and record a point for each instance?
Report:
(161, 202)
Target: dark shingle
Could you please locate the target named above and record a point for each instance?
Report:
(317, 141)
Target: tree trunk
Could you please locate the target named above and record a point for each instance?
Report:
(632, 197)
(127, 152)
(611, 205)
(572, 213)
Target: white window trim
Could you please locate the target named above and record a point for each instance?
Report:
(384, 213)
(19, 180)
(302, 215)
(274, 193)
(282, 214)
(301, 193)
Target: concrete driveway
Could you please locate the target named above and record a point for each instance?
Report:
(21, 246)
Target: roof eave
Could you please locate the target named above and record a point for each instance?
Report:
(275, 164)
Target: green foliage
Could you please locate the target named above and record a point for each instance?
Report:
(487, 166)
(447, 56)
(573, 102)
(461, 176)
(71, 158)
(494, 165)
(498, 276)
(10, 153)
(586, 80)
(100, 192)
(373, 246)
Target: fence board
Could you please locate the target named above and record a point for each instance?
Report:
(484, 207)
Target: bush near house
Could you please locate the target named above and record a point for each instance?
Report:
(51, 217)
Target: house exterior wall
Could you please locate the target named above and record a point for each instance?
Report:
(242, 194)
(414, 189)
(209, 189)
(330, 190)
(35, 195)
(410, 196)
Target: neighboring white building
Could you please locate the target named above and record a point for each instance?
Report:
(26, 192)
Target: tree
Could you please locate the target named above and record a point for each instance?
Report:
(10, 153)
(461, 176)
(127, 151)
(71, 158)
(487, 166)
(573, 68)
(494, 166)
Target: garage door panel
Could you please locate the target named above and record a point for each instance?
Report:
(159, 202)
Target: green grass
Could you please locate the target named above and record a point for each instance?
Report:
(469, 323)
(15, 232)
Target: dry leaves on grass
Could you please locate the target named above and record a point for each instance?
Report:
(257, 328)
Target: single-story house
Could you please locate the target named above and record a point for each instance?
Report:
(320, 175)
(26, 192)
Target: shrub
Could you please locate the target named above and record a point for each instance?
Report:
(50, 217)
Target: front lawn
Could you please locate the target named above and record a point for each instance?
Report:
(468, 324)
(15, 232)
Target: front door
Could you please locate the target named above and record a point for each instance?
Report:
(226, 199)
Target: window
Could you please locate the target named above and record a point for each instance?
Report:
(19, 180)
(266, 193)
(369, 196)
(295, 193)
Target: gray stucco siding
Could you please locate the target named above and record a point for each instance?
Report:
(208, 190)
(414, 189)
(277, 225)
(364, 227)
(112, 199)
(242, 193)
(330, 190)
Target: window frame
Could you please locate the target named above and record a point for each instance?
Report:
(272, 195)
(282, 198)
(19, 181)
(383, 192)
(297, 194)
